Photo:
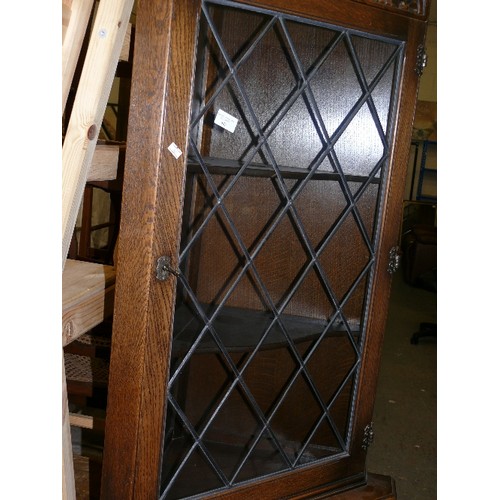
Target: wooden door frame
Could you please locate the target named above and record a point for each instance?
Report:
(392, 211)
(153, 192)
(150, 227)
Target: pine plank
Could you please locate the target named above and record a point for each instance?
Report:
(87, 295)
(83, 421)
(125, 52)
(66, 16)
(104, 165)
(105, 44)
(76, 16)
(68, 475)
(86, 421)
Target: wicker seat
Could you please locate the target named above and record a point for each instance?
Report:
(87, 367)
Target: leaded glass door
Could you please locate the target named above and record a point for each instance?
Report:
(289, 144)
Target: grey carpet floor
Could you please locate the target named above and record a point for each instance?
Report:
(405, 409)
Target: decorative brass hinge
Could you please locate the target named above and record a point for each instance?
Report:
(421, 60)
(368, 436)
(394, 260)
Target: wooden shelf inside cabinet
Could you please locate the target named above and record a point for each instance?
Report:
(240, 329)
(221, 166)
(87, 297)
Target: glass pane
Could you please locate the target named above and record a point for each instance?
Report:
(289, 143)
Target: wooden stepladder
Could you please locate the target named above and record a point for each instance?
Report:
(83, 309)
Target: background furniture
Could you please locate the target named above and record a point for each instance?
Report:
(256, 246)
(427, 179)
(420, 255)
(422, 170)
(420, 267)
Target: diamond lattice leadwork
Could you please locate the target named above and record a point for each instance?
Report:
(278, 244)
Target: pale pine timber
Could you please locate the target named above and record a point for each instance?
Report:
(68, 474)
(86, 421)
(83, 421)
(74, 23)
(88, 291)
(104, 165)
(76, 14)
(92, 95)
(104, 48)
(125, 52)
(66, 16)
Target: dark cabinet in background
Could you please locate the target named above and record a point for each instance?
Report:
(268, 144)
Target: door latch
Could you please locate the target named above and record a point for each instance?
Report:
(164, 268)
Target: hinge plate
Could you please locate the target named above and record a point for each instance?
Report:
(421, 60)
(368, 436)
(394, 259)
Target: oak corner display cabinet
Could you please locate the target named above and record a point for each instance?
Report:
(266, 158)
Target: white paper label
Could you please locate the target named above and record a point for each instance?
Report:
(226, 121)
(174, 149)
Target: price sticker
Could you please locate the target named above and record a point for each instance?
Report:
(226, 121)
(174, 149)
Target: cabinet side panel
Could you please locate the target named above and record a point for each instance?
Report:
(166, 242)
(159, 112)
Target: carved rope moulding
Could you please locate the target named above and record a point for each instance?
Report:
(418, 7)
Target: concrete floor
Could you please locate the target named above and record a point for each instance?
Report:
(404, 420)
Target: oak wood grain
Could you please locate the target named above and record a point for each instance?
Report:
(150, 227)
(347, 13)
(390, 230)
(151, 223)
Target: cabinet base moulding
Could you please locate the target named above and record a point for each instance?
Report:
(377, 487)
